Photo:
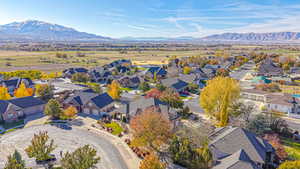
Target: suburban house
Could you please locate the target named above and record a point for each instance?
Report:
(14, 83)
(71, 71)
(176, 84)
(14, 109)
(268, 68)
(101, 75)
(295, 72)
(157, 71)
(237, 148)
(131, 108)
(280, 102)
(119, 63)
(89, 102)
(130, 81)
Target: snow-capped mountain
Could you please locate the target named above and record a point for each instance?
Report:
(39, 30)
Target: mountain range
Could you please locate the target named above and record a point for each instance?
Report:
(33, 30)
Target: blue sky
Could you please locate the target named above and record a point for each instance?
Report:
(157, 18)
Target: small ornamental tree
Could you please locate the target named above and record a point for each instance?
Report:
(4, 95)
(144, 86)
(40, 149)
(15, 161)
(80, 77)
(114, 90)
(151, 161)
(70, 112)
(172, 98)
(22, 91)
(187, 70)
(82, 158)
(44, 91)
(53, 109)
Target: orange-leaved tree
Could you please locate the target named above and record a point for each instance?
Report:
(151, 161)
(151, 129)
(4, 95)
(70, 112)
(114, 90)
(22, 91)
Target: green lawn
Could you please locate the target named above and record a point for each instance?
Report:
(126, 89)
(13, 124)
(292, 148)
(117, 129)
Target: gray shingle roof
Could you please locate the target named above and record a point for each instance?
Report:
(230, 140)
(25, 102)
(102, 100)
(268, 68)
(238, 160)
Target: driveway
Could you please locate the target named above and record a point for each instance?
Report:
(66, 140)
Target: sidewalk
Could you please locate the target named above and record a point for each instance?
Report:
(127, 154)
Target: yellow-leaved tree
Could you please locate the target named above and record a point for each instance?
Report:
(22, 91)
(114, 90)
(70, 112)
(187, 70)
(217, 96)
(4, 95)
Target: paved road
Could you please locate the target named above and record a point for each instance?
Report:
(66, 140)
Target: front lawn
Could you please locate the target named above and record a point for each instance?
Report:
(116, 128)
(292, 148)
(13, 124)
(126, 89)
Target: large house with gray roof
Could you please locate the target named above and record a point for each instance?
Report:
(91, 103)
(15, 109)
(237, 148)
(268, 68)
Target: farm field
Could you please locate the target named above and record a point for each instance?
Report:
(48, 61)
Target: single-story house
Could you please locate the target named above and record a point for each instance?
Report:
(14, 109)
(269, 68)
(175, 83)
(131, 108)
(71, 71)
(14, 83)
(130, 81)
(160, 72)
(89, 102)
(237, 148)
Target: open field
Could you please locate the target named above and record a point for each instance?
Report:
(47, 61)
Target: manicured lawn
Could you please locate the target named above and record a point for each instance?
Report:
(126, 89)
(13, 124)
(117, 129)
(292, 148)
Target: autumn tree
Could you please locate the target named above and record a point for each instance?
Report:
(151, 129)
(151, 161)
(114, 90)
(40, 149)
(222, 72)
(22, 91)
(172, 98)
(187, 70)
(153, 93)
(80, 77)
(274, 140)
(4, 95)
(44, 91)
(217, 97)
(70, 112)
(290, 165)
(53, 109)
(82, 158)
(15, 161)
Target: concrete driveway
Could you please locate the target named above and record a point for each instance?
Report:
(66, 140)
